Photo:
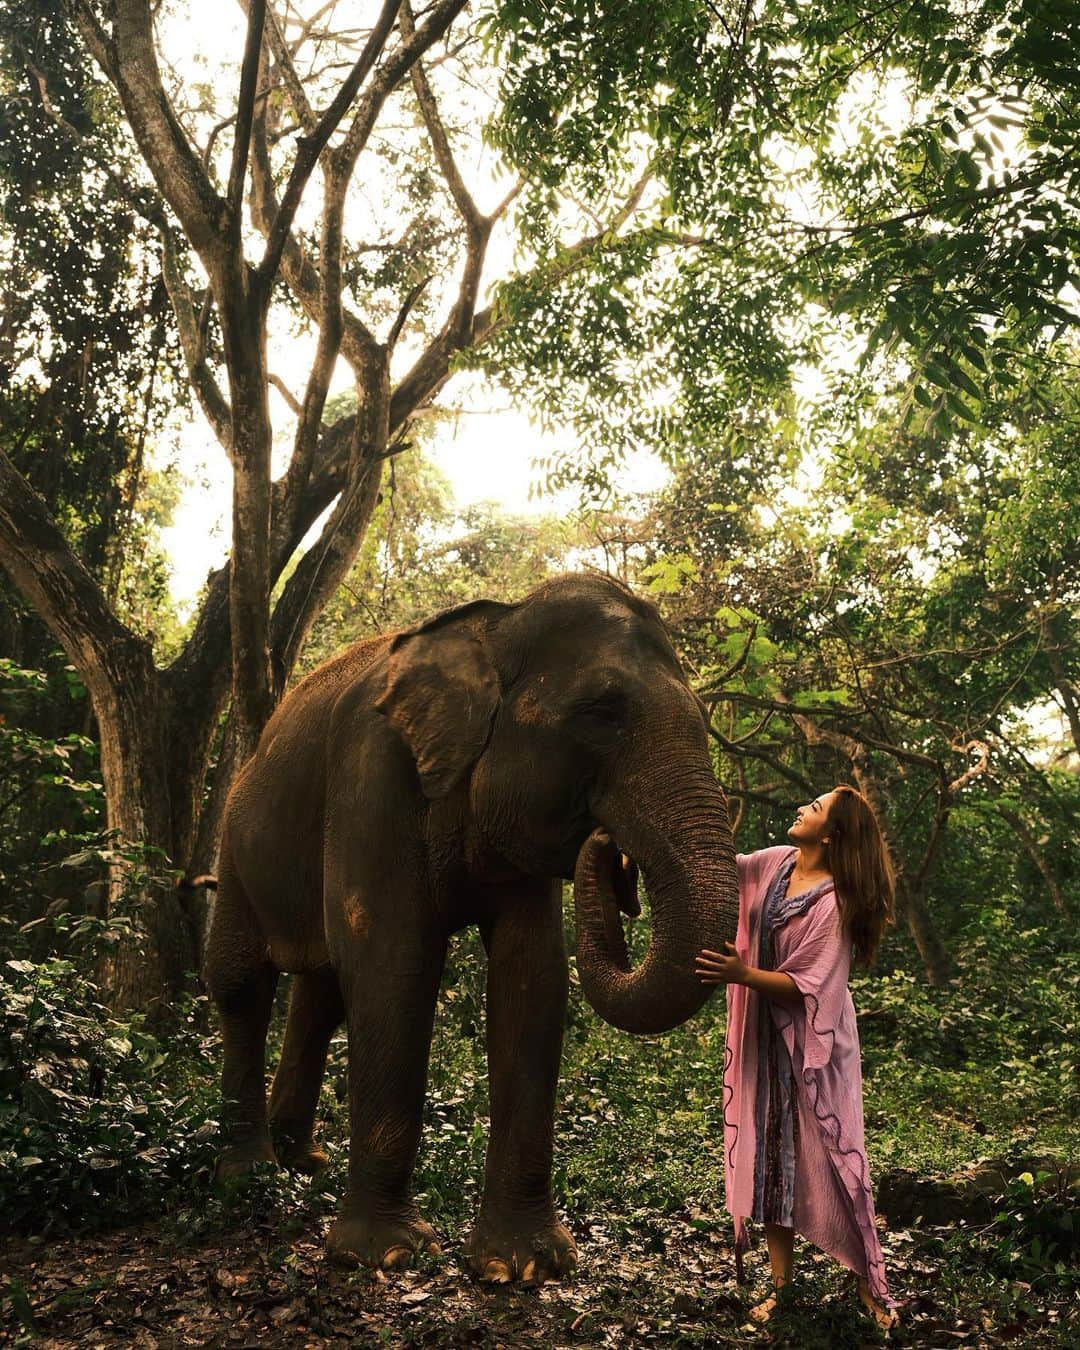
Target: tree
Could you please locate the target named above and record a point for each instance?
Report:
(422, 554)
(897, 630)
(832, 187)
(88, 354)
(665, 285)
(157, 726)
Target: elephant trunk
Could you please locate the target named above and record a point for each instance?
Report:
(676, 828)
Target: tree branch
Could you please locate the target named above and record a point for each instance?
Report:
(331, 327)
(298, 270)
(937, 831)
(429, 110)
(440, 17)
(283, 60)
(322, 568)
(205, 655)
(738, 750)
(740, 660)
(792, 710)
(311, 146)
(131, 64)
(977, 769)
(325, 565)
(212, 401)
(245, 105)
(1062, 683)
(1035, 853)
(432, 368)
(404, 311)
(291, 401)
(750, 794)
(42, 565)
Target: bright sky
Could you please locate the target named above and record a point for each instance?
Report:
(487, 453)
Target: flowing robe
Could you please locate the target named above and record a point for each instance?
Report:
(833, 1204)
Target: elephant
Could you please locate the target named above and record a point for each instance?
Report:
(450, 774)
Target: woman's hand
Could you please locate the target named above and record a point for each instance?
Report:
(712, 968)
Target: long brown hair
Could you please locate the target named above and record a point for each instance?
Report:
(862, 871)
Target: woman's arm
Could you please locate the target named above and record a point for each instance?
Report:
(712, 968)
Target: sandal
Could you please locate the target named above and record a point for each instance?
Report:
(764, 1310)
(886, 1318)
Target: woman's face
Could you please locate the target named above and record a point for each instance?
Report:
(809, 824)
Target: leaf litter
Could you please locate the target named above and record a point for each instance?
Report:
(673, 1285)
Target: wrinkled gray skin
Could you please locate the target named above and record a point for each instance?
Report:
(444, 776)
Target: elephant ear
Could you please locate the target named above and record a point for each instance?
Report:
(441, 694)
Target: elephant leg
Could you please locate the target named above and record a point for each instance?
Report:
(518, 1234)
(390, 982)
(242, 981)
(316, 1011)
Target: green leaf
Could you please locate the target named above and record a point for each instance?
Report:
(969, 170)
(960, 408)
(966, 383)
(975, 357)
(937, 374)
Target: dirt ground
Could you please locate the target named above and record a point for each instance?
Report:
(253, 1286)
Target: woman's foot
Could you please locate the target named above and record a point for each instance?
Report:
(886, 1318)
(763, 1311)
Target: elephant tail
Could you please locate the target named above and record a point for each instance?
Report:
(193, 883)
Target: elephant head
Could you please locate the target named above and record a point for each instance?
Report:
(567, 725)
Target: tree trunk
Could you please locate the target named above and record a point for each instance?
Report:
(133, 716)
(1064, 686)
(912, 908)
(148, 970)
(243, 324)
(1035, 853)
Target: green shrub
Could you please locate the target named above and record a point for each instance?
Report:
(98, 1117)
(1034, 1234)
(51, 796)
(983, 1064)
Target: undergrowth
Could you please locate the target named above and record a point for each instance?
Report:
(104, 1120)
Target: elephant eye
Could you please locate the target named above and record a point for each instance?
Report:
(607, 706)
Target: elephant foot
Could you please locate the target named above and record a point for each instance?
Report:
(531, 1246)
(385, 1243)
(297, 1151)
(239, 1158)
(307, 1158)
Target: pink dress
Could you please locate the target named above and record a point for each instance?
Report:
(830, 1201)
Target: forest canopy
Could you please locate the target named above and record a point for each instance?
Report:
(820, 262)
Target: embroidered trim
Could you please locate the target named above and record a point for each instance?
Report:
(795, 905)
(732, 1125)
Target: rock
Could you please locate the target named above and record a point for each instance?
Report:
(968, 1196)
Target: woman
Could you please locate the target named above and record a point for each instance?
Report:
(794, 1158)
